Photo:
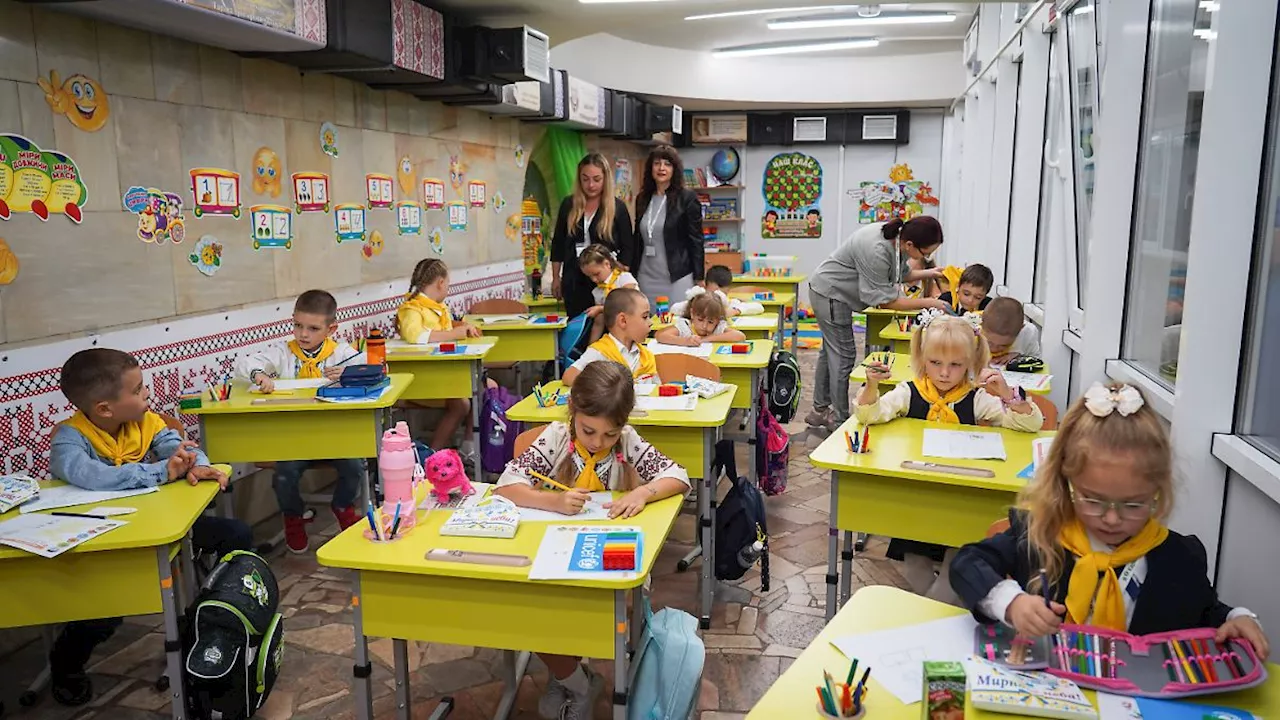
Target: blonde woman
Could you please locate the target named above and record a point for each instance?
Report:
(590, 215)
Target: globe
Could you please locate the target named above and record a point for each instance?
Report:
(725, 164)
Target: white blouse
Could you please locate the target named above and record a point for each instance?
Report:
(986, 408)
(553, 446)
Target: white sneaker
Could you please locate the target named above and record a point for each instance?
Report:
(582, 707)
(552, 699)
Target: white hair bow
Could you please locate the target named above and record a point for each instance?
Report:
(975, 321)
(1102, 400)
(927, 316)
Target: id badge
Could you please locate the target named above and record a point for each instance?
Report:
(581, 247)
(651, 251)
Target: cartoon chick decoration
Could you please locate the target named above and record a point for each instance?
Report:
(8, 264)
(81, 99)
(407, 177)
(373, 245)
(266, 172)
(457, 172)
(513, 226)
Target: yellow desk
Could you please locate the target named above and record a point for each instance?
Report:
(873, 493)
(880, 607)
(785, 285)
(899, 340)
(755, 327)
(777, 304)
(127, 571)
(396, 593)
(902, 371)
(545, 303)
(743, 370)
(442, 377)
(669, 431)
(526, 341)
(880, 318)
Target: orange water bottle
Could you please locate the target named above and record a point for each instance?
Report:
(375, 348)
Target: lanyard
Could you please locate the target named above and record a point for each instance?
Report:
(586, 227)
(653, 217)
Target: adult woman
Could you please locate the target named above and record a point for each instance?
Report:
(590, 215)
(867, 270)
(667, 255)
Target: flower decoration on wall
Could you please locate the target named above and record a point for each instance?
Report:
(207, 255)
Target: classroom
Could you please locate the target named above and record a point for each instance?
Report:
(317, 316)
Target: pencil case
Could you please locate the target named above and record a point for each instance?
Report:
(1002, 645)
(340, 390)
(363, 375)
(1182, 663)
(1024, 363)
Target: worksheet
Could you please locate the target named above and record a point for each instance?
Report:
(963, 445)
(702, 351)
(67, 495)
(582, 552)
(898, 654)
(51, 535)
(670, 402)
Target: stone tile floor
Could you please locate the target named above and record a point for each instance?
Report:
(750, 643)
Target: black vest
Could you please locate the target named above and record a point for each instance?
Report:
(919, 408)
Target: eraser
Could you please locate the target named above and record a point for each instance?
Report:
(553, 318)
(448, 347)
(668, 390)
(741, 348)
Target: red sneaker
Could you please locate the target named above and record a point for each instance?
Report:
(347, 516)
(295, 533)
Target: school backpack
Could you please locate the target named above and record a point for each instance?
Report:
(773, 453)
(740, 524)
(573, 339)
(235, 642)
(784, 386)
(669, 678)
(497, 433)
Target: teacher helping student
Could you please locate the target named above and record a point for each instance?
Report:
(866, 271)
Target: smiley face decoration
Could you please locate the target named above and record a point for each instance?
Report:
(80, 98)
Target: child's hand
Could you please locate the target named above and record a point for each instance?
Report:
(993, 382)
(628, 505)
(878, 372)
(1248, 629)
(694, 341)
(177, 465)
(470, 330)
(942, 305)
(204, 472)
(265, 383)
(571, 501)
(1029, 616)
(332, 374)
(595, 310)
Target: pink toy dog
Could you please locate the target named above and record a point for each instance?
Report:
(444, 470)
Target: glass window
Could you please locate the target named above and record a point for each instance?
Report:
(1082, 56)
(1260, 413)
(1048, 174)
(1013, 164)
(1179, 44)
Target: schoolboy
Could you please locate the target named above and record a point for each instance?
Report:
(717, 281)
(972, 290)
(1007, 332)
(311, 354)
(114, 442)
(626, 321)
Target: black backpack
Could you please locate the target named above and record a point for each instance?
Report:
(235, 642)
(784, 386)
(740, 522)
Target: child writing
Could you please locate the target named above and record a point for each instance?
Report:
(601, 267)
(704, 323)
(970, 293)
(953, 385)
(311, 354)
(717, 281)
(626, 319)
(115, 442)
(594, 450)
(1093, 524)
(1007, 332)
(422, 318)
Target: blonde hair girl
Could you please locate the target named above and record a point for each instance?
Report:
(588, 182)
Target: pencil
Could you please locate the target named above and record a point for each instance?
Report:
(849, 439)
(853, 669)
(395, 522)
(1189, 676)
(866, 438)
(1168, 663)
(1206, 661)
(547, 480)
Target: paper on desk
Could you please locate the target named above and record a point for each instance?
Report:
(643, 389)
(51, 535)
(670, 402)
(898, 654)
(434, 349)
(593, 510)
(299, 384)
(481, 489)
(559, 553)
(753, 322)
(67, 495)
(1027, 381)
(702, 351)
(501, 319)
(963, 445)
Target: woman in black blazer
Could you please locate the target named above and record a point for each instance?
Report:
(667, 257)
(590, 215)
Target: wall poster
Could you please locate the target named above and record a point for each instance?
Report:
(792, 188)
(902, 196)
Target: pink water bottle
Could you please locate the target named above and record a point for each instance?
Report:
(396, 463)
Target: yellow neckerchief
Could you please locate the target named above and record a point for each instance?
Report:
(587, 479)
(608, 347)
(430, 308)
(1094, 572)
(309, 365)
(952, 275)
(131, 442)
(608, 285)
(940, 405)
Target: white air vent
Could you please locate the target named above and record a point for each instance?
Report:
(809, 129)
(677, 119)
(880, 127)
(537, 55)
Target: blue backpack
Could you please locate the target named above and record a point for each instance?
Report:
(670, 674)
(573, 339)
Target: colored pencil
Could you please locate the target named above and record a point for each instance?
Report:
(548, 480)
(849, 440)
(1186, 666)
(866, 438)
(1044, 588)
(853, 669)
(1113, 658)
(1207, 659)
(1097, 656)
(1193, 657)
(395, 522)
(822, 700)
(831, 692)
(373, 523)
(1168, 663)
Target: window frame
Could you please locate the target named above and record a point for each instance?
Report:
(1081, 225)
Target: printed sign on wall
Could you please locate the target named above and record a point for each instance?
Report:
(792, 187)
(348, 221)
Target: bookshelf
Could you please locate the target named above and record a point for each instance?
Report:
(723, 224)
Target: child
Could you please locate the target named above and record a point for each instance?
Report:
(1093, 524)
(594, 450)
(114, 442)
(626, 318)
(971, 294)
(311, 354)
(705, 323)
(717, 281)
(599, 264)
(422, 318)
(953, 385)
(1007, 333)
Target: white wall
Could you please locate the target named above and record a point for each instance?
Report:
(920, 79)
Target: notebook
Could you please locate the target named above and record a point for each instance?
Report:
(51, 535)
(1004, 690)
(494, 516)
(15, 490)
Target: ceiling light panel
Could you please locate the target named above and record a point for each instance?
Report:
(810, 22)
(776, 10)
(789, 48)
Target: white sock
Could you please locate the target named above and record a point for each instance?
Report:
(578, 683)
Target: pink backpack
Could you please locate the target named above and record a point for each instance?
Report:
(773, 451)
